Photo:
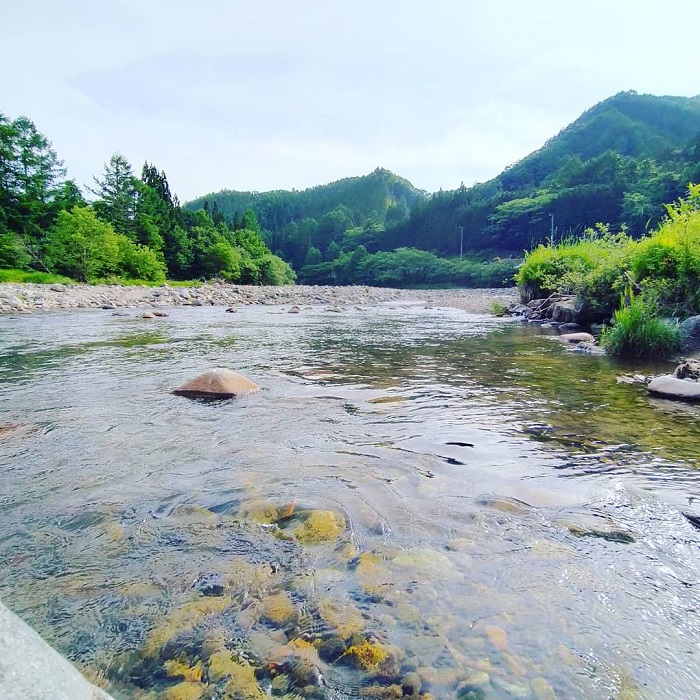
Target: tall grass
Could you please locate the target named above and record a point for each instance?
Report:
(31, 277)
(638, 332)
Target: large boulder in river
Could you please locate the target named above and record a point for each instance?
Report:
(217, 384)
(565, 310)
(690, 333)
(669, 387)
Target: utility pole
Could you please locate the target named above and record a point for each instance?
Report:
(551, 233)
(461, 240)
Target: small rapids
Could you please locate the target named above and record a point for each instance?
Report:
(418, 501)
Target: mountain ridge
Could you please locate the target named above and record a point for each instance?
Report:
(619, 162)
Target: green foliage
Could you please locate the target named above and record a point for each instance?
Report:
(30, 277)
(85, 248)
(667, 264)
(593, 267)
(638, 332)
(408, 267)
(135, 229)
(139, 261)
(31, 184)
(81, 246)
(498, 308)
(12, 252)
(659, 274)
(221, 260)
(619, 162)
(294, 222)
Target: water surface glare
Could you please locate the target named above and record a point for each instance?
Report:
(513, 515)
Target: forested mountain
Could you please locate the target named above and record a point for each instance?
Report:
(316, 220)
(619, 163)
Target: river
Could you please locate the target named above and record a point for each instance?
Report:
(417, 498)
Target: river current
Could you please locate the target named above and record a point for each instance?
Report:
(509, 516)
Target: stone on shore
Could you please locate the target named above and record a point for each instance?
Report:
(31, 669)
(669, 387)
(217, 383)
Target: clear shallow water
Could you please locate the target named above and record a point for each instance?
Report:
(510, 508)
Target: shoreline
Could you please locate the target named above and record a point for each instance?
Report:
(37, 298)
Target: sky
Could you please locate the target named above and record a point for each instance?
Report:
(275, 94)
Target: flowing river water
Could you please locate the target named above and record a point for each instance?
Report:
(417, 501)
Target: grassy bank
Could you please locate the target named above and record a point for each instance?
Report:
(629, 281)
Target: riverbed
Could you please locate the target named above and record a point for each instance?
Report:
(419, 500)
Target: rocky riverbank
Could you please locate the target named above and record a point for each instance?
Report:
(29, 298)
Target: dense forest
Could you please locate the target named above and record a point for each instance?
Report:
(134, 228)
(619, 163)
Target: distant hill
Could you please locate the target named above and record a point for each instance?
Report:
(295, 221)
(618, 163)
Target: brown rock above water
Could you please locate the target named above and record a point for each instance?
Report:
(217, 384)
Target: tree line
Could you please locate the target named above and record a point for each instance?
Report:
(133, 228)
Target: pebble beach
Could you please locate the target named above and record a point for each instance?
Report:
(36, 298)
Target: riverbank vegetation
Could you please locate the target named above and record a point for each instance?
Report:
(636, 282)
(134, 228)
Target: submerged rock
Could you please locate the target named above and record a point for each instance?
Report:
(320, 526)
(668, 387)
(597, 526)
(278, 610)
(217, 383)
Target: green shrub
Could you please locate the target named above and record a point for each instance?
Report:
(592, 267)
(639, 332)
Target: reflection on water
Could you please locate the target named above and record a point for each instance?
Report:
(418, 500)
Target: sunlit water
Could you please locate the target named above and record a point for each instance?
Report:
(510, 508)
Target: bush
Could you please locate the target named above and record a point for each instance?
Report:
(593, 267)
(638, 332)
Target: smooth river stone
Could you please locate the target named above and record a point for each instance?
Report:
(671, 388)
(218, 383)
(577, 337)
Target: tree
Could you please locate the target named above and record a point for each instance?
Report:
(222, 260)
(118, 194)
(313, 257)
(30, 178)
(81, 246)
(12, 252)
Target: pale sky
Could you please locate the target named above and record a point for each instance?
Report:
(290, 94)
